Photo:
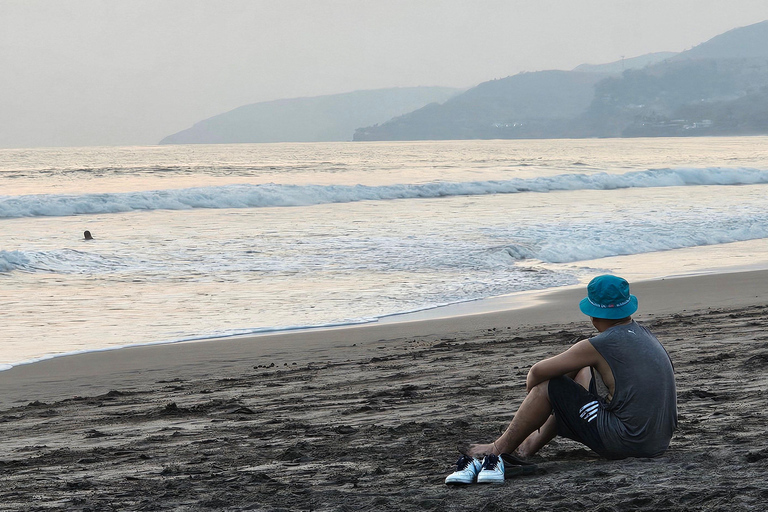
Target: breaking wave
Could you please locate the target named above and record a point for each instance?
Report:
(63, 261)
(273, 195)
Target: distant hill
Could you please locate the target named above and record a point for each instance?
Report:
(715, 88)
(316, 119)
(740, 43)
(719, 87)
(525, 105)
(702, 91)
(618, 67)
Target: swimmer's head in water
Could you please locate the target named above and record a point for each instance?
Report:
(87, 235)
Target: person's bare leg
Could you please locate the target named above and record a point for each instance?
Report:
(532, 414)
(584, 377)
(539, 438)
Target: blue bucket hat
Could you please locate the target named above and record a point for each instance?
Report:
(608, 297)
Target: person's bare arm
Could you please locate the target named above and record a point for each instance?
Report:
(580, 355)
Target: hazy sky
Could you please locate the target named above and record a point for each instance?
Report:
(93, 72)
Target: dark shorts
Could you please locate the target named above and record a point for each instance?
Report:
(575, 410)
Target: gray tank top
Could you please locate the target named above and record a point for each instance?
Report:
(641, 416)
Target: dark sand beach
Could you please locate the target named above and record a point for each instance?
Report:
(368, 418)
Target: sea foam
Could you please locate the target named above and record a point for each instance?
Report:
(273, 195)
(60, 261)
(502, 247)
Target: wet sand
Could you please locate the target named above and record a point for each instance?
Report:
(369, 417)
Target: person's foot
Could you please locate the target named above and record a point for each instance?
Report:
(492, 471)
(466, 472)
(477, 451)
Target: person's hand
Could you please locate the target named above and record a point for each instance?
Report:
(529, 382)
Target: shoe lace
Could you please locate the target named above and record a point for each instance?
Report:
(490, 462)
(463, 462)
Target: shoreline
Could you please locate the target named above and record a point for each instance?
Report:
(87, 373)
(519, 300)
(469, 307)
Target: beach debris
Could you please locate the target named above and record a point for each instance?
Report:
(261, 478)
(757, 456)
(296, 453)
(95, 434)
(242, 410)
(756, 362)
(171, 409)
(79, 484)
(409, 391)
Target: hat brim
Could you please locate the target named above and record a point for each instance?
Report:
(624, 311)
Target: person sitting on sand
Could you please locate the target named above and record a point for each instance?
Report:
(614, 392)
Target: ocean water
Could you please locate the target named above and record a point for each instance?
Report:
(194, 242)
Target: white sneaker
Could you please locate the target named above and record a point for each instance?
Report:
(466, 472)
(492, 471)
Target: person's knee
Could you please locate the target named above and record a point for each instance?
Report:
(541, 390)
